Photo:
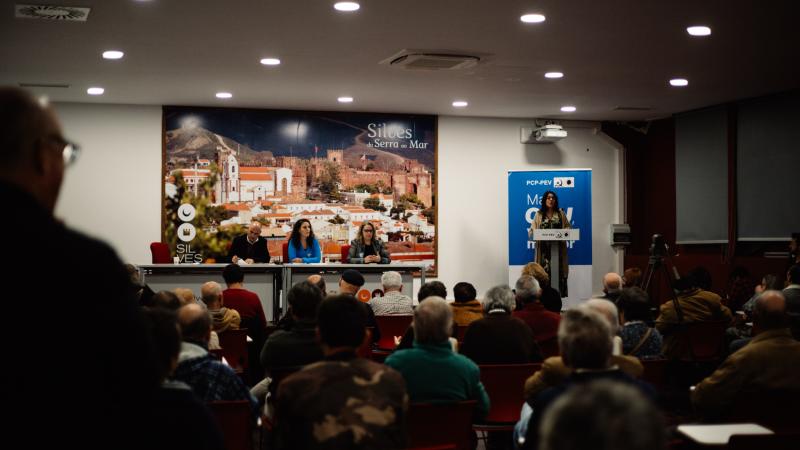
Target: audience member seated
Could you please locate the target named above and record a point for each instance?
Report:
(393, 302)
(550, 297)
(343, 401)
(167, 300)
(770, 362)
(177, 418)
(222, 318)
(500, 338)
(298, 346)
(210, 379)
(632, 277)
(429, 289)
(554, 369)
(245, 302)
(287, 322)
(186, 297)
(740, 288)
(466, 309)
(349, 284)
(612, 286)
(696, 304)
(141, 290)
(433, 372)
(792, 291)
(586, 341)
(542, 322)
(603, 415)
(250, 247)
(638, 338)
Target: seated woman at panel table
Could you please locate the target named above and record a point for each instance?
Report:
(367, 248)
(303, 246)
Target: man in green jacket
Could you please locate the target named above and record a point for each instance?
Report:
(433, 372)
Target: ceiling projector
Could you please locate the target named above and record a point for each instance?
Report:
(549, 133)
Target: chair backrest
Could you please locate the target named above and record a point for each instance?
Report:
(391, 326)
(459, 331)
(774, 409)
(549, 347)
(236, 423)
(505, 385)
(655, 372)
(285, 249)
(160, 253)
(440, 424)
(704, 340)
(234, 347)
(345, 253)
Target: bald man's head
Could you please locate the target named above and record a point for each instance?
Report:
(195, 323)
(31, 146)
(612, 282)
(211, 292)
(318, 281)
(770, 311)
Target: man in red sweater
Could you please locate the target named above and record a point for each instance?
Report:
(245, 302)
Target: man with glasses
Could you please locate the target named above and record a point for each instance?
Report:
(96, 360)
(250, 248)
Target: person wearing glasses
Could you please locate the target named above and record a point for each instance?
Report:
(303, 246)
(249, 248)
(115, 373)
(366, 248)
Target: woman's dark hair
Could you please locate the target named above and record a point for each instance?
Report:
(464, 292)
(635, 303)
(294, 238)
(430, 289)
(360, 235)
(544, 203)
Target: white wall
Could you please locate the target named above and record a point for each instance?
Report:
(114, 191)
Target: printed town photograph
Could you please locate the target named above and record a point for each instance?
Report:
(337, 170)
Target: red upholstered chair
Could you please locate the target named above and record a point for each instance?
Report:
(160, 253)
(391, 326)
(655, 372)
(346, 254)
(234, 348)
(447, 424)
(505, 384)
(236, 423)
(286, 252)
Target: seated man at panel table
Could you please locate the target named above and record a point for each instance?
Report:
(393, 302)
(343, 401)
(249, 248)
(210, 379)
(433, 372)
(769, 362)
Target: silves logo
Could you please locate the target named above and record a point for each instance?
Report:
(564, 182)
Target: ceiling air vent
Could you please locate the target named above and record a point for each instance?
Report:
(44, 85)
(431, 60)
(633, 108)
(49, 12)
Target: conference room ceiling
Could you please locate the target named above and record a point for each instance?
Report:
(613, 53)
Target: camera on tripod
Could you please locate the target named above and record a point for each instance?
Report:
(658, 247)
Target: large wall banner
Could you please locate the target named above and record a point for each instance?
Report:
(224, 168)
(574, 190)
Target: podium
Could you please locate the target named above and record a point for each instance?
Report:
(553, 237)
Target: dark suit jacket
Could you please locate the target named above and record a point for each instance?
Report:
(243, 249)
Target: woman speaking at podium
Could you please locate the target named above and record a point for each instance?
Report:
(548, 217)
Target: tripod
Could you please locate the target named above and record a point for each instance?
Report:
(658, 251)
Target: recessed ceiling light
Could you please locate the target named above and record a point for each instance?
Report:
(345, 99)
(95, 91)
(113, 54)
(680, 82)
(699, 30)
(568, 109)
(224, 95)
(460, 104)
(532, 18)
(270, 61)
(554, 75)
(347, 6)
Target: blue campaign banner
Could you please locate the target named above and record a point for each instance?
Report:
(573, 187)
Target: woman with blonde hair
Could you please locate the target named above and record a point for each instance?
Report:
(550, 298)
(367, 248)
